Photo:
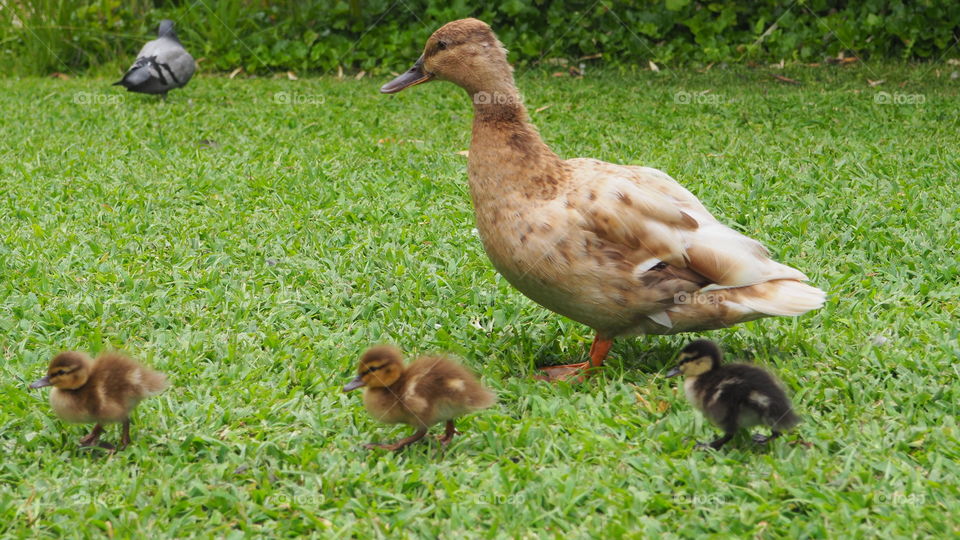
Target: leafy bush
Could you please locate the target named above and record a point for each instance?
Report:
(40, 36)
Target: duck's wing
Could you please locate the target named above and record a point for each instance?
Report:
(646, 213)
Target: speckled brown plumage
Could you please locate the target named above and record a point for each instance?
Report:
(623, 249)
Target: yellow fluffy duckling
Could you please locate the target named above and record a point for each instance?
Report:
(430, 390)
(733, 396)
(100, 391)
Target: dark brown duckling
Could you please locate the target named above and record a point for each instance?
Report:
(101, 391)
(733, 396)
(430, 390)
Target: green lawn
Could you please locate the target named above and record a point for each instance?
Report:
(251, 237)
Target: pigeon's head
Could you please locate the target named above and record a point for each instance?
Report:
(166, 29)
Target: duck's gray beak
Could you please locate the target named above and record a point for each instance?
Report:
(674, 372)
(40, 383)
(411, 77)
(354, 384)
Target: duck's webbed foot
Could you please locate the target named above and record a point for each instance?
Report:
(578, 372)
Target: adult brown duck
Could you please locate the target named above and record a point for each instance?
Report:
(625, 250)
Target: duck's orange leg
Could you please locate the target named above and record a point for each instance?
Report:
(578, 372)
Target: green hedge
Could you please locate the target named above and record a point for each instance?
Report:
(41, 36)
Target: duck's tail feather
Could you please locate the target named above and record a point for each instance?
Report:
(709, 309)
(783, 297)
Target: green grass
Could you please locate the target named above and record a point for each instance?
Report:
(252, 249)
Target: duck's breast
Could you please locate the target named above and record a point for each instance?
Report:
(547, 253)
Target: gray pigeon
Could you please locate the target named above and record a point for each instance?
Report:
(162, 65)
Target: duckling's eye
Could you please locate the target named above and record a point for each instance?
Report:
(441, 45)
(371, 370)
(60, 372)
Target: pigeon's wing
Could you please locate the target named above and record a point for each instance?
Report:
(162, 64)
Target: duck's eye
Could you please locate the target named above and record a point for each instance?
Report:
(441, 45)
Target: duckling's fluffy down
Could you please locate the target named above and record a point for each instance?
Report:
(115, 386)
(754, 395)
(432, 389)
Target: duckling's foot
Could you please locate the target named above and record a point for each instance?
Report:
(717, 443)
(448, 434)
(579, 372)
(761, 439)
(402, 443)
(94, 436)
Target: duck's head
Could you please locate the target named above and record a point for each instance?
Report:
(380, 367)
(67, 371)
(465, 52)
(697, 358)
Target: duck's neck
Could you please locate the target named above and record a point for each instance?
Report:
(507, 154)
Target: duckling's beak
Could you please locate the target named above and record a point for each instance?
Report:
(354, 384)
(411, 77)
(40, 383)
(674, 372)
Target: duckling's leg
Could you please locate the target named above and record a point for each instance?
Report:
(93, 439)
(730, 424)
(401, 443)
(718, 442)
(125, 438)
(448, 434)
(760, 439)
(598, 352)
